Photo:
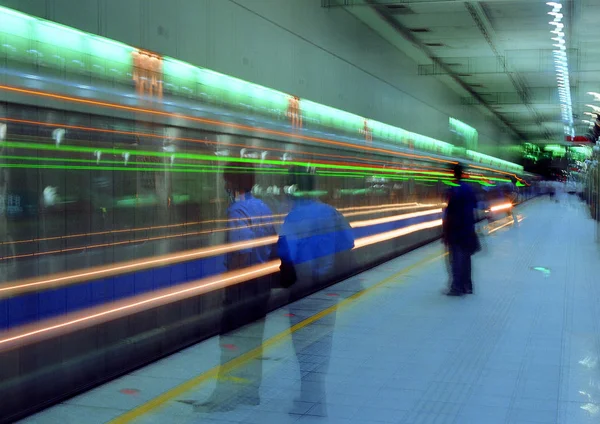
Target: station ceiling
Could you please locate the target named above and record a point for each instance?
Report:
(498, 55)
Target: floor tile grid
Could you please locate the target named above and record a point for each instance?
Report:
(585, 273)
(585, 407)
(486, 332)
(521, 407)
(371, 324)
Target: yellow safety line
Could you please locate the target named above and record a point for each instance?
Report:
(177, 391)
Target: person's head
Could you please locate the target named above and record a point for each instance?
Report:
(303, 177)
(239, 177)
(458, 171)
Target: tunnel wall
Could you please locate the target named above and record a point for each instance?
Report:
(297, 46)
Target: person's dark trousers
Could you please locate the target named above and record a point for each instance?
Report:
(460, 266)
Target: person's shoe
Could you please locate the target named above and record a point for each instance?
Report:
(453, 293)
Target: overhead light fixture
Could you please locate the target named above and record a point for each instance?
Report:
(561, 66)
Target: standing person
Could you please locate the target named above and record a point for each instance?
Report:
(248, 218)
(459, 234)
(315, 246)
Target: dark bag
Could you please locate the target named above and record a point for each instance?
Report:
(287, 274)
(476, 244)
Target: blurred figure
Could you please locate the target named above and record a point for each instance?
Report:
(249, 218)
(315, 247)
(459, 234)
(511, 195)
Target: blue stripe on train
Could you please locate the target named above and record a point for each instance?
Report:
(27, 308)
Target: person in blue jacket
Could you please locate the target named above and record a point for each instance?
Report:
(313, 237)
(459, 234)
(315, 247)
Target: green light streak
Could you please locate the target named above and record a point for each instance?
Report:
(117, 168)
(282, 169)
(239, 169)
(200, 157)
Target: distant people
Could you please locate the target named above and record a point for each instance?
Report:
(459, 234)
(248, 218)
(511, 195)
(315, 246)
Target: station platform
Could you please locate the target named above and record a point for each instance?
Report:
(387, 347)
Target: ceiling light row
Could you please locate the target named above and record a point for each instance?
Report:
(561, 66)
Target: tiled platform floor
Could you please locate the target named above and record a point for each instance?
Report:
(523, 349)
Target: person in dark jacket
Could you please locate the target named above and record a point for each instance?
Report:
(459, 234)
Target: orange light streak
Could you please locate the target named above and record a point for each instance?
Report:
(378, 238)
(372, 210)
(501, 207)
(104, 271)
(498, 171)
(366, 223)
(99, 314)
(126, 242)
(168, 296)
(132, 266)
(215, 122)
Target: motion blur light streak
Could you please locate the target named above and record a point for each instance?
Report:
(111, 270)
(369, 210)
(193, 140)
(121, 308)
(169, 296)
(377, 221)
(200, 157)
(366, 241)
(215, 123)
(126, 242)
(498, 171)
(383, 208)
(501, 207)
(128, 267)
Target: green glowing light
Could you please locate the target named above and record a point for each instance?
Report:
(494, 162)
(466, 134)
(29, 40)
